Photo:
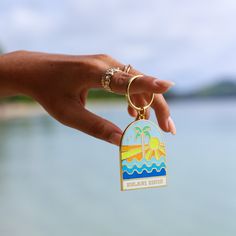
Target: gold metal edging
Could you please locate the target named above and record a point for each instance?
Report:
(121, 179)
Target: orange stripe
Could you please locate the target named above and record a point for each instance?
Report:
(138, 156)
(125, 148)
(129, 147)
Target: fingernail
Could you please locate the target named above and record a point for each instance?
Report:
(115, 138)
(171, 124)
(165, 83)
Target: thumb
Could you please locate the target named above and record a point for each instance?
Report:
(78, 117)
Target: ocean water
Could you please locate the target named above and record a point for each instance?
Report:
(57, 181)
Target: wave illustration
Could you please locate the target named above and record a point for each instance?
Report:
(139, 164)
(144, 174)
(144, 167)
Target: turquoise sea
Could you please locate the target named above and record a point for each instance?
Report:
(57, 181)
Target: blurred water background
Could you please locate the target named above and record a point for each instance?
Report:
(57, 181)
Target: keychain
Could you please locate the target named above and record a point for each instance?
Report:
(142, 151)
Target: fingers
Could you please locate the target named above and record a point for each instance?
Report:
(145, 83)
(163, 114)
(78, 117)
(160, 107)
(119, 80)
(139, 101)
(132, 111)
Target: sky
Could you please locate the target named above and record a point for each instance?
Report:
(189, 42)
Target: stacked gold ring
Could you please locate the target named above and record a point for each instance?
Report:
(127, 68)
(106, 78)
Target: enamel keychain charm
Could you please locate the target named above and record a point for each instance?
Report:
(142, 151)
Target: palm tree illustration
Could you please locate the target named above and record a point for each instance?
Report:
(142, 133)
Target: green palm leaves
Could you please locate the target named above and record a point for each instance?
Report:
(142, 133)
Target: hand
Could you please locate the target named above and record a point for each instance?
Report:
(60, 83)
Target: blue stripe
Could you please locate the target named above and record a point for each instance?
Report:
(144, 174)
(137, 163)
(144, 167)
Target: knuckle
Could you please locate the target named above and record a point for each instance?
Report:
(121, 79)
(103, 56)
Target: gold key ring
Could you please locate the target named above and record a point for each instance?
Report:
(128, 95)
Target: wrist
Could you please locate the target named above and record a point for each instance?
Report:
(22, 72)
(34, 73)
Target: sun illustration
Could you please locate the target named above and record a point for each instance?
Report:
(154, 148)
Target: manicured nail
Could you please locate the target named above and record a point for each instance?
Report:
(171, 124)
(115, 138)
(165, 83)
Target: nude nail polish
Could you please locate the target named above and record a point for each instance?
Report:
(171, 124)
(165, 82)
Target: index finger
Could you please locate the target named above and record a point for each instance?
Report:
(120, 80)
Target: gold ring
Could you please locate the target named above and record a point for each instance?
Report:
(106, 78)
(128, 95)
(127, 68)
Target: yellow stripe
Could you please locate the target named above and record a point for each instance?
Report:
(130, 153)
